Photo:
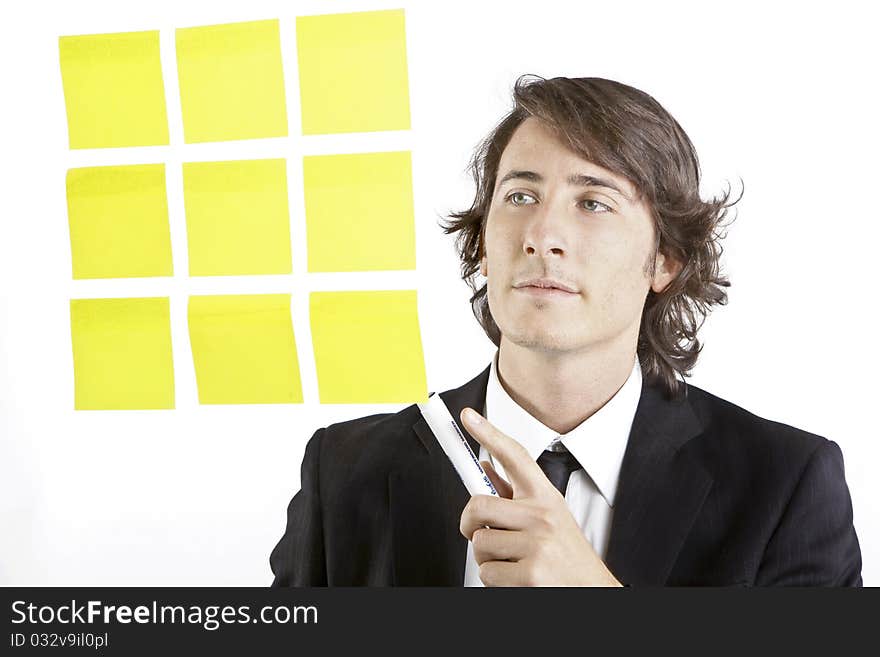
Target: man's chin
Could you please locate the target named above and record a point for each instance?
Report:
(544, 341)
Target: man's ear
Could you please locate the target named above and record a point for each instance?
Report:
(665, 270)
(484, 267)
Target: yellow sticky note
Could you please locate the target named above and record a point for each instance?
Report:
(353, 72)
(244, 349)
(113, 90)
(231, 81)
(237, 219)
(118, 219)
(359, 212)
(122, 353)
(368, 347)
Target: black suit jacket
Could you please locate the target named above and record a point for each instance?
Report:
(708, 494)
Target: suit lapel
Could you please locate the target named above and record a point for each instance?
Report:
(427, 499)
(660, 491)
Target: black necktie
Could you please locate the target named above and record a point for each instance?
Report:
(558, 467)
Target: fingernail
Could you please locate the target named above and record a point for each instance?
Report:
(473, 416)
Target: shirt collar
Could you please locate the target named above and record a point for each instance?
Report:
(598, 443)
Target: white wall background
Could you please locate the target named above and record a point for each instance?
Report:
(782, 94)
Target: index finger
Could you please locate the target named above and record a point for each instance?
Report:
(522, 472)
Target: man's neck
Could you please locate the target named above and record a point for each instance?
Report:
(562, 389)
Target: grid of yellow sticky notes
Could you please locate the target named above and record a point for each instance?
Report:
(359, 212)
(231, 81)
(368, 347)
(237, 219)
(122, 353)
(113, 90)
(353, 72)
(244, 349)
(118, 217)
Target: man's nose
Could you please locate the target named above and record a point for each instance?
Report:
(545, 232)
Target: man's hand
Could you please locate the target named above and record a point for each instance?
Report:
(533, 539)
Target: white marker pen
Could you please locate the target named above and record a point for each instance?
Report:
(453, 442)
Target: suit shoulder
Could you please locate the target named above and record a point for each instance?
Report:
(377, 428)
(733, 424)
(356, 455)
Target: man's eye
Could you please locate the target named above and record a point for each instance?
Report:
(516, 198)
(594, 207)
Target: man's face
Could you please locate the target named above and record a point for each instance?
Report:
(557, 216)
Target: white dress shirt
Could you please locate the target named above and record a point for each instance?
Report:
(598, 443)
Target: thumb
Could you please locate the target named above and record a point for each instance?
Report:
(504, 489)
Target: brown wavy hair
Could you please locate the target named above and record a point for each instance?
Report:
(629, 133)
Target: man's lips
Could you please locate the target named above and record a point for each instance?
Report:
(544, 291)
(546, 287)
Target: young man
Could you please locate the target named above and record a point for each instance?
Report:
(600, 263)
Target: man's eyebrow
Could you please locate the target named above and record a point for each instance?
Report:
(577, 179)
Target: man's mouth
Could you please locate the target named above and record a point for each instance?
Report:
(549, 292)
(548, 287)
